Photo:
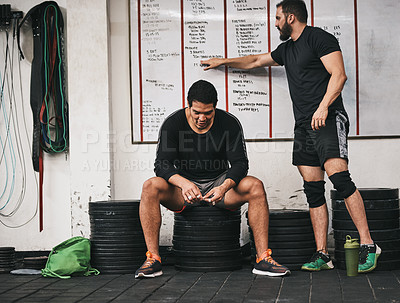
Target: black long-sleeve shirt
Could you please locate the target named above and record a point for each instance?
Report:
(205, 156)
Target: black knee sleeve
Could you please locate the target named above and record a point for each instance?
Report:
(343, 184)
(315, 193)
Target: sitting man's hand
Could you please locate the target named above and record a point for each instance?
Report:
(191, 192)
(215, 195)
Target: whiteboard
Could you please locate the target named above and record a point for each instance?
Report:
(169, 38)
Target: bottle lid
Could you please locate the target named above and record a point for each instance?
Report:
(351, 243)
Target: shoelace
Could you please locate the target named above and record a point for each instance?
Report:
(267, 257)
(315, 256)
(150, 260)
(364, 250)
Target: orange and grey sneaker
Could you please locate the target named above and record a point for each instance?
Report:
(267, 266)
(151, 268)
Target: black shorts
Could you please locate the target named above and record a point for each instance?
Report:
(314, 147)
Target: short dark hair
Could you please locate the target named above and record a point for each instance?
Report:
(295, 7)
(202, 91)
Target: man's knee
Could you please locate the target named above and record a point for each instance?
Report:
(315, 193)
(154, 185)
(254, 187)
(343, 184)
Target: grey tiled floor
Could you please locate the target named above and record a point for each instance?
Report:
(176, 286)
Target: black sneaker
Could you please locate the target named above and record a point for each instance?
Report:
(151, 268)
(368, 258)
(318, 261)
(267, 266)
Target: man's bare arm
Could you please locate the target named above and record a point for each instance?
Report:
(333, 63)
(246, 62)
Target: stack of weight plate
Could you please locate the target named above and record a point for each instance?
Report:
(7, 259)
(382, 210)
(207, 239)
(35, 262)
(118, 245)
(291, 237)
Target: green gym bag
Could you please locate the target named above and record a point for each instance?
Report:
(71, 257)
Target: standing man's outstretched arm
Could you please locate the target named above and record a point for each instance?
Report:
(246, 62)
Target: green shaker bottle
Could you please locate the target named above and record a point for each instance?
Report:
(351, 249)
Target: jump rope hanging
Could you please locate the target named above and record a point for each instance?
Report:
(47, 97)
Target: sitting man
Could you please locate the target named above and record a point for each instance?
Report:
(201, 158)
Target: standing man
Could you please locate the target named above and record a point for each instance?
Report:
(201, 159)
(315, 71)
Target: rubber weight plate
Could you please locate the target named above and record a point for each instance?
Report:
(289, 238)
(284, 230)
(387, 255)
(114, 203)
(377, 235)
(372, 224)
(292, 259)
(278, 214)
(369, 204)
(290, 222)
(205, 247)
(294, 245)
(209, 224)
(210, 253)
(292, 252)
(214, 237)
(376, 214)
(371, 194)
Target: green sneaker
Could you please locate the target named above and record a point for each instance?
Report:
(368, 258)
(318, 261)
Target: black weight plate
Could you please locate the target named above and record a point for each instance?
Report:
(131, 242)
(369, 204)
(292, 259)
(294, 245)
(205, 247)
(208, 226)
(7, 249)
(376, 214)
(209, 253)
(198, 238)
(115, 236)
(208, 269)
(112, 233)
(127, 246)
(284, 230)
(292, 252)
(215, 224)
(377, 235)
(278, 214)
(389, 245)
(114, 203)
(7, 257)
(116, 223)
(119, 260)
(382, 265)
(207, 217)
(207, 231)
(371, 194)
(290, 222)
(387, 255)
(289, 237)
(116, 252)
(372, 224)
(116, 268)
(208, 261)
(116, 220)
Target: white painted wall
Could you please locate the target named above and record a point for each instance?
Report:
(102, 162)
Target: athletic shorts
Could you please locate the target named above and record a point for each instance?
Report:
(205, 186)
(314, 147)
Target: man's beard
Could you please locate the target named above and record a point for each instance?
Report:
(285, 32)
